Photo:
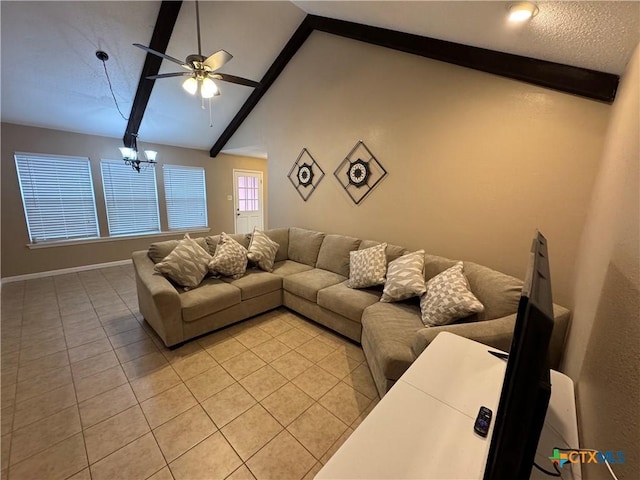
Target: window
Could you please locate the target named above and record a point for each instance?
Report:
(186, 196)
(131, 198)
(57, 196)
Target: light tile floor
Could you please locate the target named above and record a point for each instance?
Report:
(89, 390)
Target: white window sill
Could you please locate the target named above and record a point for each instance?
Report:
(66, 243)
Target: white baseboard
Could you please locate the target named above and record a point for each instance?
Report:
(62, 271)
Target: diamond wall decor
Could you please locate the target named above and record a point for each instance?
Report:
(305, 174)
(360, 172)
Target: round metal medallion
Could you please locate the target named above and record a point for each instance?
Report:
(358, 173)
(305, 174)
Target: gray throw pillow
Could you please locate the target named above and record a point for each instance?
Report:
(448, 298)
(230, 259)
(367, 267)
(405, 277)
(262, 250)
(187, 264)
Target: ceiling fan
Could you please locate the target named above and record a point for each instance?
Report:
(201, 70)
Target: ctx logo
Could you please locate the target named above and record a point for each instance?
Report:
(586, 456)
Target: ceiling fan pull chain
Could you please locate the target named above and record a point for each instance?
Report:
(210, 114)
(198, 27)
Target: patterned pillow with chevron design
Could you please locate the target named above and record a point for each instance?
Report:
(448, 298)
(405, 277)
(230, 258)
(262, 250)
(187, 264)
(367, 267)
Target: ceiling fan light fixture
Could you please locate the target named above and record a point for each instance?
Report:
(208, 88)
(522, 11)
(190, 85)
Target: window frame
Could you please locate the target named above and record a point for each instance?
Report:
(168, 199)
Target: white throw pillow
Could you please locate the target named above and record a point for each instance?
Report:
(230, 258)
(448, 298)
(405, 277)
(187, 264)
(367, 267)
(262, 250)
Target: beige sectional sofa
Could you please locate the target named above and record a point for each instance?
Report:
(309, 277)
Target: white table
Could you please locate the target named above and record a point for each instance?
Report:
(423, 427)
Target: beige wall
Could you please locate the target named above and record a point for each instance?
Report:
(603, 348)
(18, 259)
(476, 162)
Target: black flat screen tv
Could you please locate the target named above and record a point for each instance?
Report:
(526, 389)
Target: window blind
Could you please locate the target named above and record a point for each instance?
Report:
(131, 198)
(186, 196)
(57, 196)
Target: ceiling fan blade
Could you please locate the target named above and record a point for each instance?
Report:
(167, 75)
(154, 52)
(225, 77)
(218, 59)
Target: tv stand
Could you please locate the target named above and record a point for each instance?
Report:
(423, 427)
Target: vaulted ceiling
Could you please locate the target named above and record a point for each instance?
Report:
(51, 77)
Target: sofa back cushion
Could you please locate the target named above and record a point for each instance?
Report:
(498, 292)
(281, 237)
(392, 251)
(304, 245)
(334, 253)
(212, 242)
(159, 250)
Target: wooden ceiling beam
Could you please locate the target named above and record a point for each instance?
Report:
(565, 78)
(162, 31)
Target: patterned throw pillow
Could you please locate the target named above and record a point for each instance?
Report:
(367, 267)
(262, 250)
(448, 298)
(187, 264)
(230, 258)
(405, 277)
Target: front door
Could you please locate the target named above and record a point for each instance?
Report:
(248, 200)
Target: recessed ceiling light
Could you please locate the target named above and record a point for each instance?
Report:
(522, 11)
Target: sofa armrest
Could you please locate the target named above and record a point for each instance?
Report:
(496, 333)
(158, 300)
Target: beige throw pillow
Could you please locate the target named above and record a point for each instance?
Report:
(405, 277)
(186, 265)
(367, 267)
(262, 250)
(230, 258)
(448, 298)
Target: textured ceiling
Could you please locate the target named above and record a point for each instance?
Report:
(51, 78)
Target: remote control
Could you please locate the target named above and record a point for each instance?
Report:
(483, 420)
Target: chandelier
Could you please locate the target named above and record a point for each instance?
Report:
(132, 158)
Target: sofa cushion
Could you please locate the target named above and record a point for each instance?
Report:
(281, 237)
(255, 283)
(498, 292)
(211, 296)
(405, 277)
(307, 284)
(346, 301)
(304, 245)
(334, 253)
(212, 241)
(187, 264)
(390, 329)
(448, 298)
(230, 258)
(262, 250)
(289, 267)
(392, 251)
(367, 267)
(158, 250)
